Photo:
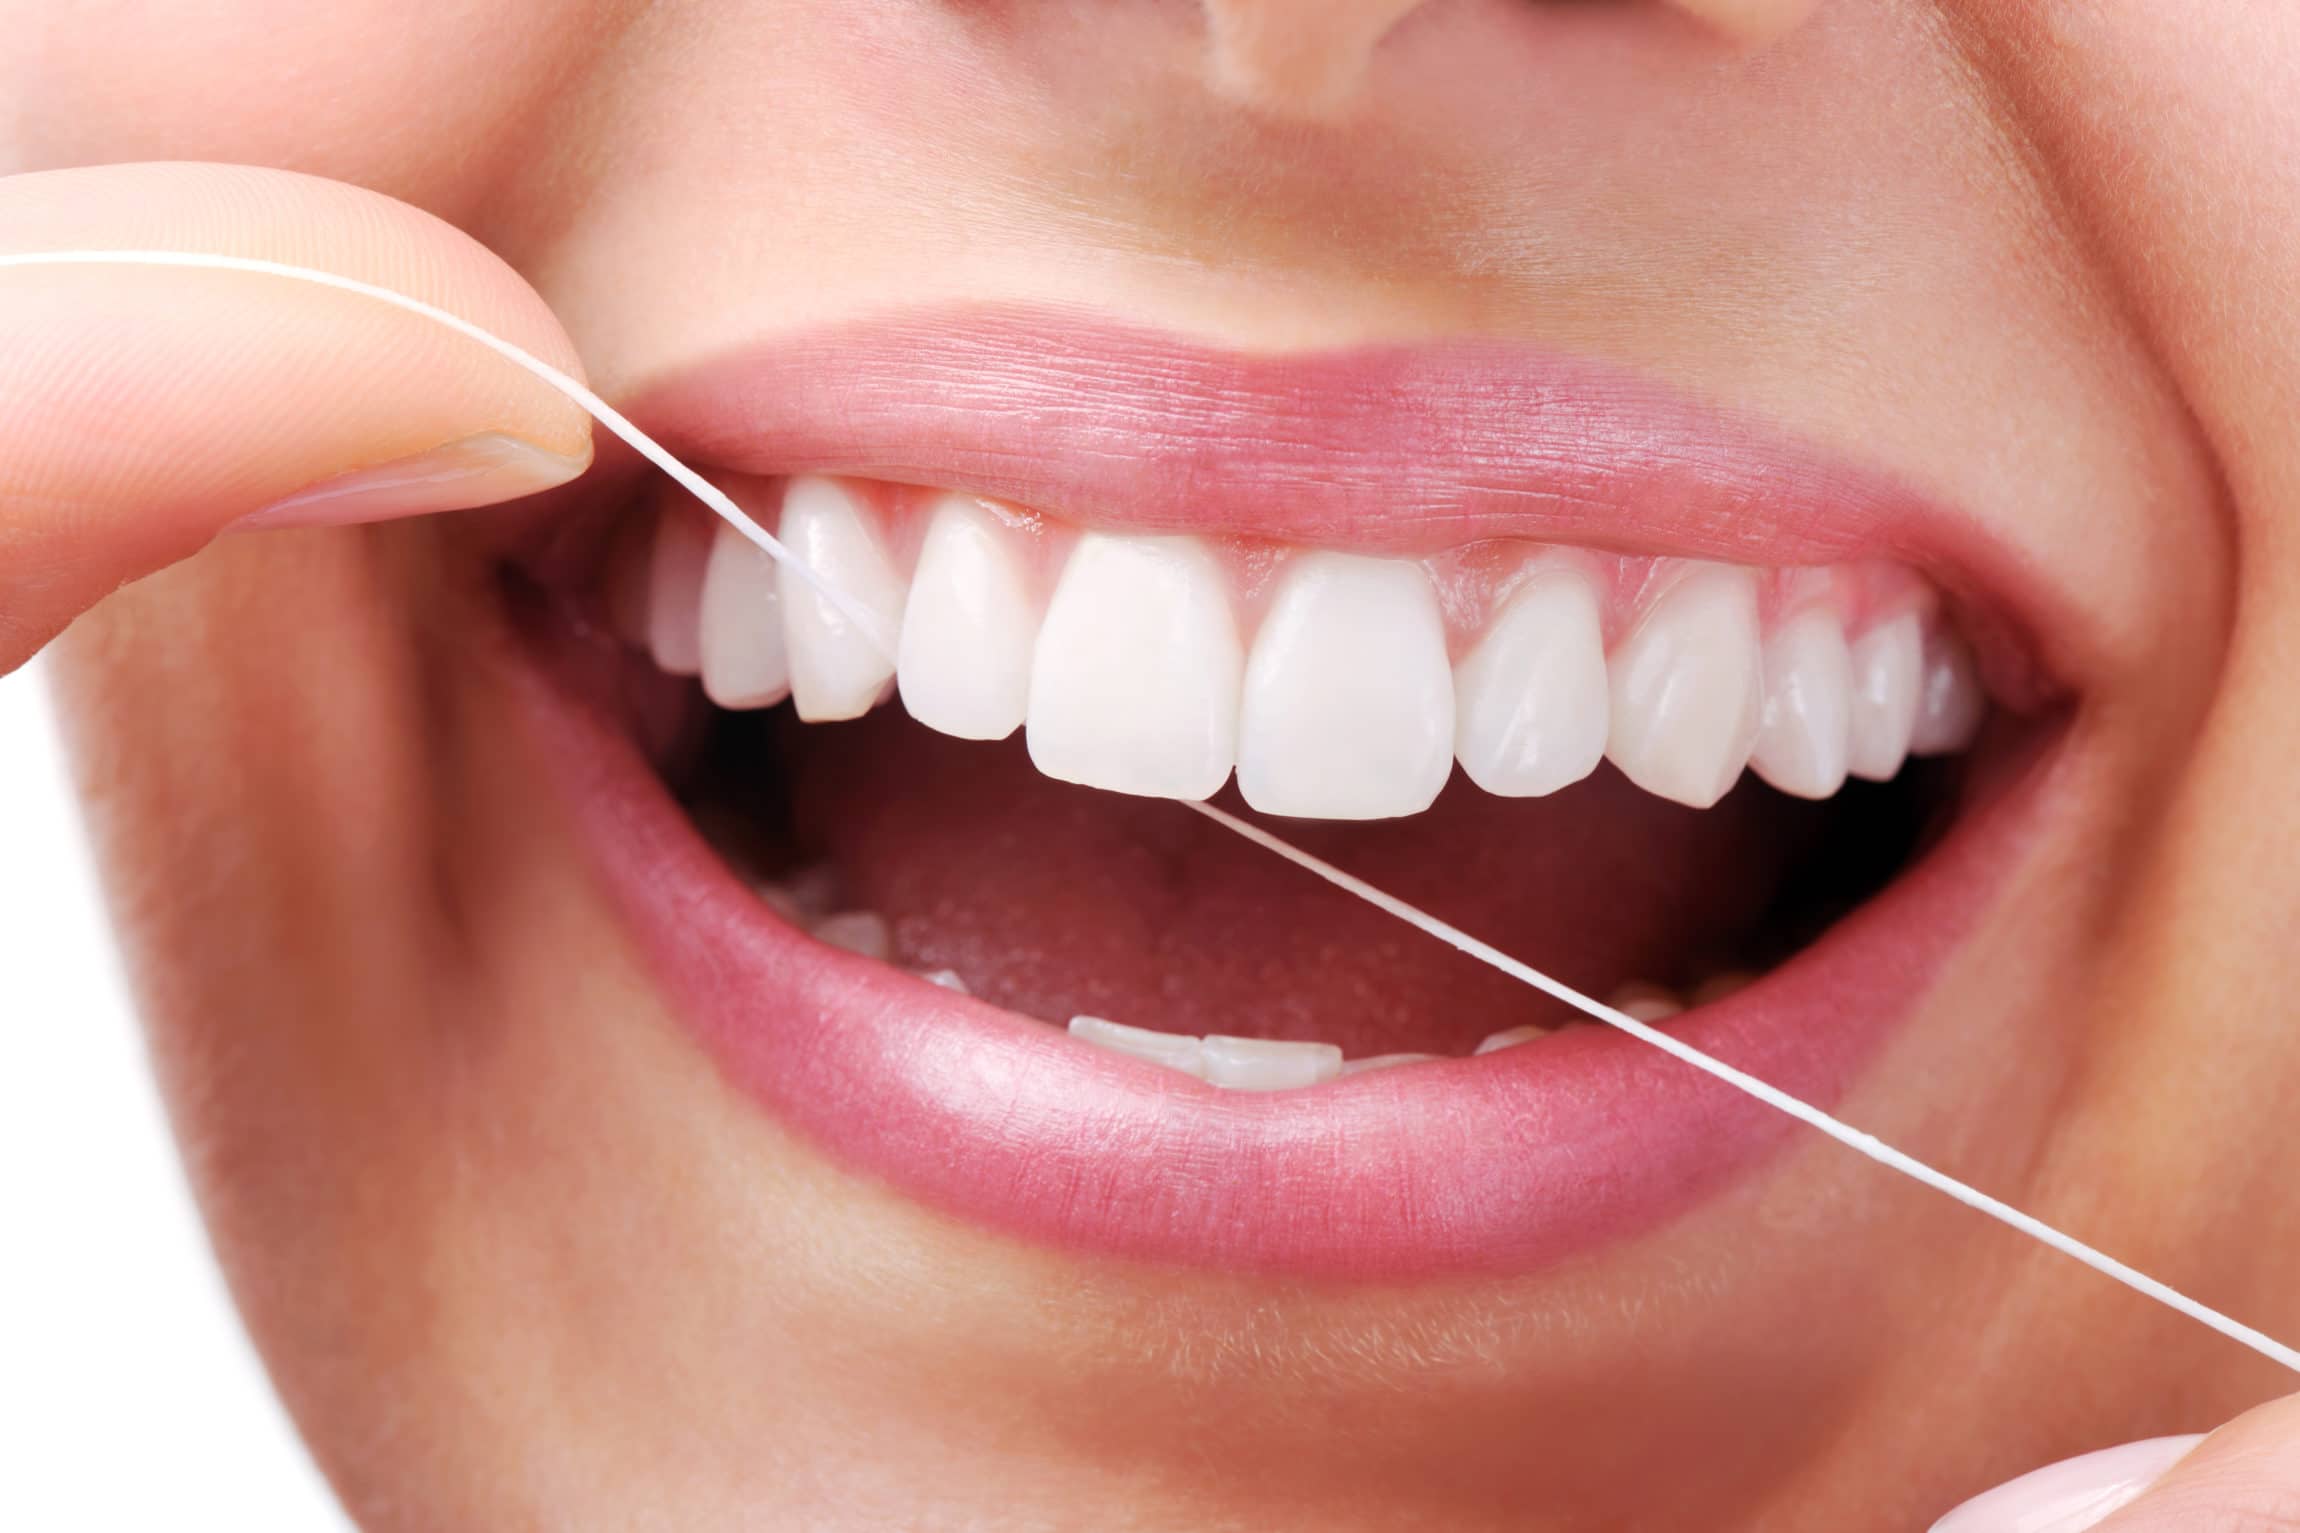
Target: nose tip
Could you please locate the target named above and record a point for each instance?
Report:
(1306, 57)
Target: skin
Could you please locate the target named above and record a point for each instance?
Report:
(514, 1255)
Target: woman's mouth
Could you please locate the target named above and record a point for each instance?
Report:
(914, 884)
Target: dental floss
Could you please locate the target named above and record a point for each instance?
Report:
(1772, 1096)
(601, 411)
(1865, 1144)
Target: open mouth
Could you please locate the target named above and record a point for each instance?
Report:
(915, 883)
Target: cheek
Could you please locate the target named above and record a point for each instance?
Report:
(420, 99)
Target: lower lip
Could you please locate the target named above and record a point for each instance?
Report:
(1496, 1165)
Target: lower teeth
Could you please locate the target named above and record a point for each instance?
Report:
(809, 900)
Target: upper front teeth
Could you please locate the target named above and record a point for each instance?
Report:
(1134, 685)
(1359, 683)
(1348, 707)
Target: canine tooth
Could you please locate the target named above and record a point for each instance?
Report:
(1134, 686)
(949, 979)
(1383, 1062)
(1719, 987)
(1888, 669)
(1806, 729)
(743, 661)
(1531, 702)
(1950, 702)
(1507, 1038)
(1172, 1050)
(1647, 1003)
(675, 592)
(1347, 712)
(857, 931)
(1687, 687)
(964, 658)
(1268, 1064)
(837, 670)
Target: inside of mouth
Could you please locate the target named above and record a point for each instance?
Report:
(963, 862)
(1056, 901)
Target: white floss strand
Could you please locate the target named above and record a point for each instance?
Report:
(1772, 1096)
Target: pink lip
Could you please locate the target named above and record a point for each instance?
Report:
(1499, 1164)
(1398, 448)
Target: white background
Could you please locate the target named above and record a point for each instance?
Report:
(129, 1399)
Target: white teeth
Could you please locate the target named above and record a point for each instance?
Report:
(1888, 670)
(948, 979)
(1805, 735)
(1347, 712)
(1134, 687)
(837, 671)
(1268, 1064)
(743, 661)
(964, 660)
(675, 592)
(1687, 688)
(1384, 1062)
(1531, 701)
(1647, 1003)
(857, 931)
(1508, 1038)
(1950, 701)
(1172, 1050)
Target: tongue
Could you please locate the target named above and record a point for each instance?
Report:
(1054, 900)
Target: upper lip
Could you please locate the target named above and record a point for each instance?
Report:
(1396, 448)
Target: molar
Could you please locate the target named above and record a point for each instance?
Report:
(1531, 701)
(1805, 733)
(1134, 687)
(1347, 709)
(743, 661)
(1888, 670)
(1687, 687)
(837, 671)
(964, 660)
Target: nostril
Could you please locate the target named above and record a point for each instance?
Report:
(1296, 57)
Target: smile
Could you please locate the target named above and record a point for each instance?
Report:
(1736, 737)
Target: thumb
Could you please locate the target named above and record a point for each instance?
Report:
(2246, 1476)
(143, 410)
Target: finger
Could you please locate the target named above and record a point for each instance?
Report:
(2070, 1496)
(144, 411)
(2246, 1476)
